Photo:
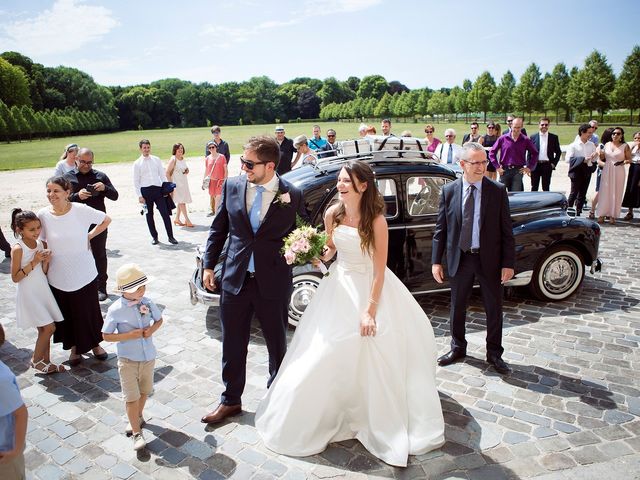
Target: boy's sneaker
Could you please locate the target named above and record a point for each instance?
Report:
(138, 441)
(129, 431)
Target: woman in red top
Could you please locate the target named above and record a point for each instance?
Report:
(215, 167)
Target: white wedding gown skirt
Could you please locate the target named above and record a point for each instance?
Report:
(335, 385)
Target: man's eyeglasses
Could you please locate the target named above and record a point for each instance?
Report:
(82, 162)
(509, 120)
(250, 164)
(329, 135)
(544, 124)
(473, 164)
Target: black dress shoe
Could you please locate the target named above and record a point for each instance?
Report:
(154, 241)
(173, 240)
(451, 357)
(102, 296)
(498, 364)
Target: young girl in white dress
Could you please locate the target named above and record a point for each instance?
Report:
(362, 363)
(35, 304)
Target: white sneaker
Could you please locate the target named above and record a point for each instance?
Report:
(129, 431)
(138, 441)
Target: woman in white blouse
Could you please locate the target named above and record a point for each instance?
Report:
(72, 271)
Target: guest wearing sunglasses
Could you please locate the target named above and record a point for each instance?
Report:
(432, 141)
(449, 152)
(549, 152)
(215, 167)
(488, 140)
(258, 210)
(613, 157)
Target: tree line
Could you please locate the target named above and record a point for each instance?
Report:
(39, 101)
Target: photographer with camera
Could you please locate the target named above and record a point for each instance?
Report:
(90, 187)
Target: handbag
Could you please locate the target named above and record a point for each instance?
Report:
(207, 179)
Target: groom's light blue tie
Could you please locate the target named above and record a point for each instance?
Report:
(254, 218)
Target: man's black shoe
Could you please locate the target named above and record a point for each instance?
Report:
(154, 241)
(451, 357)
(498, 364)
(173, 240)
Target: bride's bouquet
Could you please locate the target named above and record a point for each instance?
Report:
(303, 245)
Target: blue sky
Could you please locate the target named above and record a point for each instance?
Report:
(419, 43)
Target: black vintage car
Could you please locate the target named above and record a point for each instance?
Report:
(553, 249)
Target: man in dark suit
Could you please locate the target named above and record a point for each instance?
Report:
(257, 211)
(286, 151)
(549, 152)
(474, 228)
(331, 148)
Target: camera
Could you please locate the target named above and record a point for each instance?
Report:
(92, 190)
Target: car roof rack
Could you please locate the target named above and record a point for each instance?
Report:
(408, 156)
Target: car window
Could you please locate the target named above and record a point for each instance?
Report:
(387, 187)
(423, 195)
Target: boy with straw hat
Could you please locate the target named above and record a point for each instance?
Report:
(135, 318)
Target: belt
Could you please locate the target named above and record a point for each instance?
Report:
(510, 167)
(543, 161)
(473, 251)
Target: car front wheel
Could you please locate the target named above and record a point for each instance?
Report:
(558, 274)
(304, 287)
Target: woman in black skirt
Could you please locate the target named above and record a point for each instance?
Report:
(631, 198)
(72, 271)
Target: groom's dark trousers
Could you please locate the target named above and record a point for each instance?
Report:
(264, 293)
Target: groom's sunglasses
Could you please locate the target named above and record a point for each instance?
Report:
(250, 164)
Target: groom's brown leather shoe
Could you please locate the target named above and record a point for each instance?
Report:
(222, 412)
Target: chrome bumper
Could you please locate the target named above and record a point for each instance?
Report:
(520, 280)
(199, 294)
(596, 266)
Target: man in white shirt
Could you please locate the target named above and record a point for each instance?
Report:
(148, 177)
(448, 151)
(581, 156)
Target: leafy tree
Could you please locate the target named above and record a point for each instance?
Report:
(29, 119)
(555, 88)
(372, 86)
(21, 126)
(526, 95)
(501, 99)
(3, 128)
(422, 104)
(188, 101)
(598, 81)
(403, 106)
(576, 97)
(288, 94)
(308, 103)
(467, 86)
(627, 91)
(258, 100)
(14, 86)
(396, 87)
(77, 90)
(7, 118)
(458, 101)
(353, 83)
(481, 93)
(438, 103)
(333, 91)
(383, 107)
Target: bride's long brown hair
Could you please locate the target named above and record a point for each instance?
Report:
(371, 203)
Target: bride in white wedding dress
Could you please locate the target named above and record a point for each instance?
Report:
(362, 362)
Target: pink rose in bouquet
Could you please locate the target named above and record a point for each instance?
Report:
(303, 245)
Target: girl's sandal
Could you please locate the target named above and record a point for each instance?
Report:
(47, 368)
(189, 225)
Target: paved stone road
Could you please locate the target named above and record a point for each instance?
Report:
(569, 410)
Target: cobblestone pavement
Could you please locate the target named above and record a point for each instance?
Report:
(569, 410)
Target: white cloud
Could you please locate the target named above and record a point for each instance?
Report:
(309, 10)
(66, 27)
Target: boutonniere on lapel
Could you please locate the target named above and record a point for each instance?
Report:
(283, 199)
(143, 309)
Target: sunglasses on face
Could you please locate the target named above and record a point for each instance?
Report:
(616, 133)
(544, 124)
(250, 164)
(212, 146)
(428, 131)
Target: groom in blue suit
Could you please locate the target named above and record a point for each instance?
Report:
(257, 211)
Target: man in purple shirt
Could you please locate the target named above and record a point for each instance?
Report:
(514, 162)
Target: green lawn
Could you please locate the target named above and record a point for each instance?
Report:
(123, 146)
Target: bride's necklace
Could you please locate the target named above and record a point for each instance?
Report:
(351, 219)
